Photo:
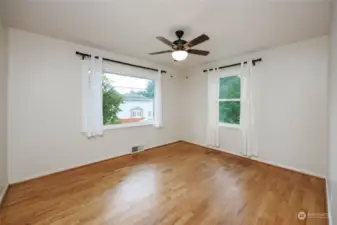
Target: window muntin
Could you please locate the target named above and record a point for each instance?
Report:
(229, 100)
(127, 100)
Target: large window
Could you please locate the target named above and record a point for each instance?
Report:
(127, 100)
(229, 100)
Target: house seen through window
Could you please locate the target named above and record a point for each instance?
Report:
(127, 99)
(229, 100)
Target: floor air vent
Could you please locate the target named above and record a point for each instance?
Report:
(137, 148)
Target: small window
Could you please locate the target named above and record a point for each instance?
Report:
(125, 98)
(229, 100)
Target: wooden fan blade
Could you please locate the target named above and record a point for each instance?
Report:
(198, 52)
(197, 40)
(161, 52)
(165, 41)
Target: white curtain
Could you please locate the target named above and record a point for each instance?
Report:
(92, 114)
(247, 115)
(212, 136)
(158, 101)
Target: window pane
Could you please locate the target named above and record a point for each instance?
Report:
(229, 112)
(127, 99)
(229, 87)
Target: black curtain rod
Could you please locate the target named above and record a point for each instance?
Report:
(254, 61)
(123, 63)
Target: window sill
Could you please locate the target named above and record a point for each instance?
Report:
(228, 125)
(128, 125)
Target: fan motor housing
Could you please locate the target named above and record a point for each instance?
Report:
(179, 42)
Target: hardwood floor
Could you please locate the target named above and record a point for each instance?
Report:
(179, 184)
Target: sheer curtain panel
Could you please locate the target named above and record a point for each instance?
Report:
(158, 101)
(247, 114)
(212, 136)
(92, 115)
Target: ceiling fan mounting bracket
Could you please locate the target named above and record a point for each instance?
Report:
(180, 34)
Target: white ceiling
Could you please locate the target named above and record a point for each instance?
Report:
(129, 27)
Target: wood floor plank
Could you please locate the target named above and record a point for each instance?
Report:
(179, 184)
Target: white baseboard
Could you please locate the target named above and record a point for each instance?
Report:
(328, 202)
(3, 193)
(290, 168)
(265, 161)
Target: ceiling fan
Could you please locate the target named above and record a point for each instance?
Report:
(181, 48)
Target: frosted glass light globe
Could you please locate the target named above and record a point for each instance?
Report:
(179, 55)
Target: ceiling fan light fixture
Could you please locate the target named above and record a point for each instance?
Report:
(180, 48)
(179, 55)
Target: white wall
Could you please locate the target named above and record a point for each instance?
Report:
(45, 110)
(3, 109)
(291, 105)
(332, 173)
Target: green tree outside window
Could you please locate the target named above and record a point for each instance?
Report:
(111, 102)
(229, 103)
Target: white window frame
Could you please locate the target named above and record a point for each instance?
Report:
(129, 125)
(229, 125)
